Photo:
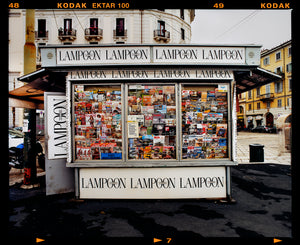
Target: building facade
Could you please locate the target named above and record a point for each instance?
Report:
(114, 26)
(265, 104)
(16, 41)
(92, 27)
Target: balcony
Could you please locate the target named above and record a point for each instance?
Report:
(119, 35)
(162, 35)
(66, 34)
(266, 97)
(93, 34)
(41, 35)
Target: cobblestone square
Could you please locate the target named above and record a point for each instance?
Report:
(272, 147)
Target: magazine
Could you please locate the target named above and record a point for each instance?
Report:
(133, 129)
(159, 140)
(147, 109)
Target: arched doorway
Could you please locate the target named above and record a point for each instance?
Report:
(269, 120)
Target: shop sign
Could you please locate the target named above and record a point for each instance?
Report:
(160, 54)
(138, 55)
(103, 74)
(141, 183)
(103, 55)
(56, 114)
(203, 55)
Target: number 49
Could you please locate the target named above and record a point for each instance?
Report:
(218, 5)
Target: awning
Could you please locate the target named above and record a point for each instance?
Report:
(31, 95)
(247, 80)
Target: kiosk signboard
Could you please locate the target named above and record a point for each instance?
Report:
(56, 125)
(59, 178)
(144, 54)
(162, 183)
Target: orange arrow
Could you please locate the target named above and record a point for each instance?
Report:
(37, 240)
(156, 240)
(276, 240)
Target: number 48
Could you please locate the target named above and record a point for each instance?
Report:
(14, 5)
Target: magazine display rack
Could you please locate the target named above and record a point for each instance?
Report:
(204, 122)
(98, 122)
(140, 124)
(151, 122)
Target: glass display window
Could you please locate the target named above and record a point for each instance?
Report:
(97, 122)
(204, 111)
(138, 124)
(151, 122)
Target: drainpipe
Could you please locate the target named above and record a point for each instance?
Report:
(283, 78)
(29, 114)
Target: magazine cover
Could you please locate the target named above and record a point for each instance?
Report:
(147, 109)
(222, 130)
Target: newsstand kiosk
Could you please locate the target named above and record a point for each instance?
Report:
(145, 121)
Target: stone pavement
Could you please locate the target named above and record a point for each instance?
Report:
(262, 210)
(272, 152)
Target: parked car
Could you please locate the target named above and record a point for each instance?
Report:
(272, 130)
(16, 154)
(264, 129)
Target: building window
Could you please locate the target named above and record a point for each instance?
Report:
(258, 105)
(279, 103)
(120, 27)
(278, 87)
(182, 14)
(182, 34)
(241, 109)
(268, 104)
(266, 61)
(278, 56)
(290, 84)
(249, 107)
(67, 26)
(258, 92)
(249, 94)
(278, 70)
(41, 28)
(161, 34)
(67, 33)
(93, 26)
(161, 27)
(289, 67)
(268, 88)
(289, 51)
